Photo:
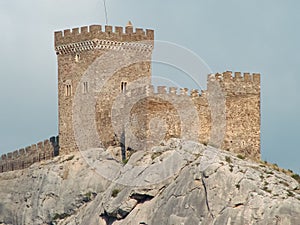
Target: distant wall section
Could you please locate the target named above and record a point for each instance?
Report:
(25, 157)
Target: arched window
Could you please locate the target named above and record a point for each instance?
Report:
(68, 90)
(123, 86)
(85, 87)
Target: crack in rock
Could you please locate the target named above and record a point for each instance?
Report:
(206, 196)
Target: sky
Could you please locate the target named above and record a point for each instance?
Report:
(246, 36)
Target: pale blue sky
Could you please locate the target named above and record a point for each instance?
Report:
(247, 36)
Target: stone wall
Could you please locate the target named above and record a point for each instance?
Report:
(23, 158)
(242, 95)
(148, 115)
(227, 114)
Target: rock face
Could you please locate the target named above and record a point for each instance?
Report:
(179, 182)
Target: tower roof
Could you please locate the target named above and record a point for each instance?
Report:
(129, 24)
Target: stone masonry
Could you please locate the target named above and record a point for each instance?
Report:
(77, 49)
(169, 111)
(129, 111)
(25, 157)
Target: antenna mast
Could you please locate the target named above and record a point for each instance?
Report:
(105, 11)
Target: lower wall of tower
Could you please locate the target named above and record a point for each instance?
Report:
(243, 125)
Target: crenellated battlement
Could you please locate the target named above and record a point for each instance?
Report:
(24, 157)
(127, 34)
(237, 83)
(228, 76)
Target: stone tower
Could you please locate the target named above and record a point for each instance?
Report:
(77, 49)
(241, 93)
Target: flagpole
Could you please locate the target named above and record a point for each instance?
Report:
(105, 11)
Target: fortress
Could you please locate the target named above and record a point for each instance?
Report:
(129, 111)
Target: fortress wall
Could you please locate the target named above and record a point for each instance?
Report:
(242, 95)
(204, 113)
(78, 48)
(160, 113)
(25, 157)
(162, 110)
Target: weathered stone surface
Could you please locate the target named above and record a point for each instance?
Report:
(105, 95)
(180, 182)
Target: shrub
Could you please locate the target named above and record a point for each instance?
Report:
(87, 197)
(60, 216)
(228, 159)
(241, 157)
(115, 192)
(125, 161)
(275, 166)
(296, 177)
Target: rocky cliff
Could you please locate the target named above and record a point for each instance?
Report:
(179, 182)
